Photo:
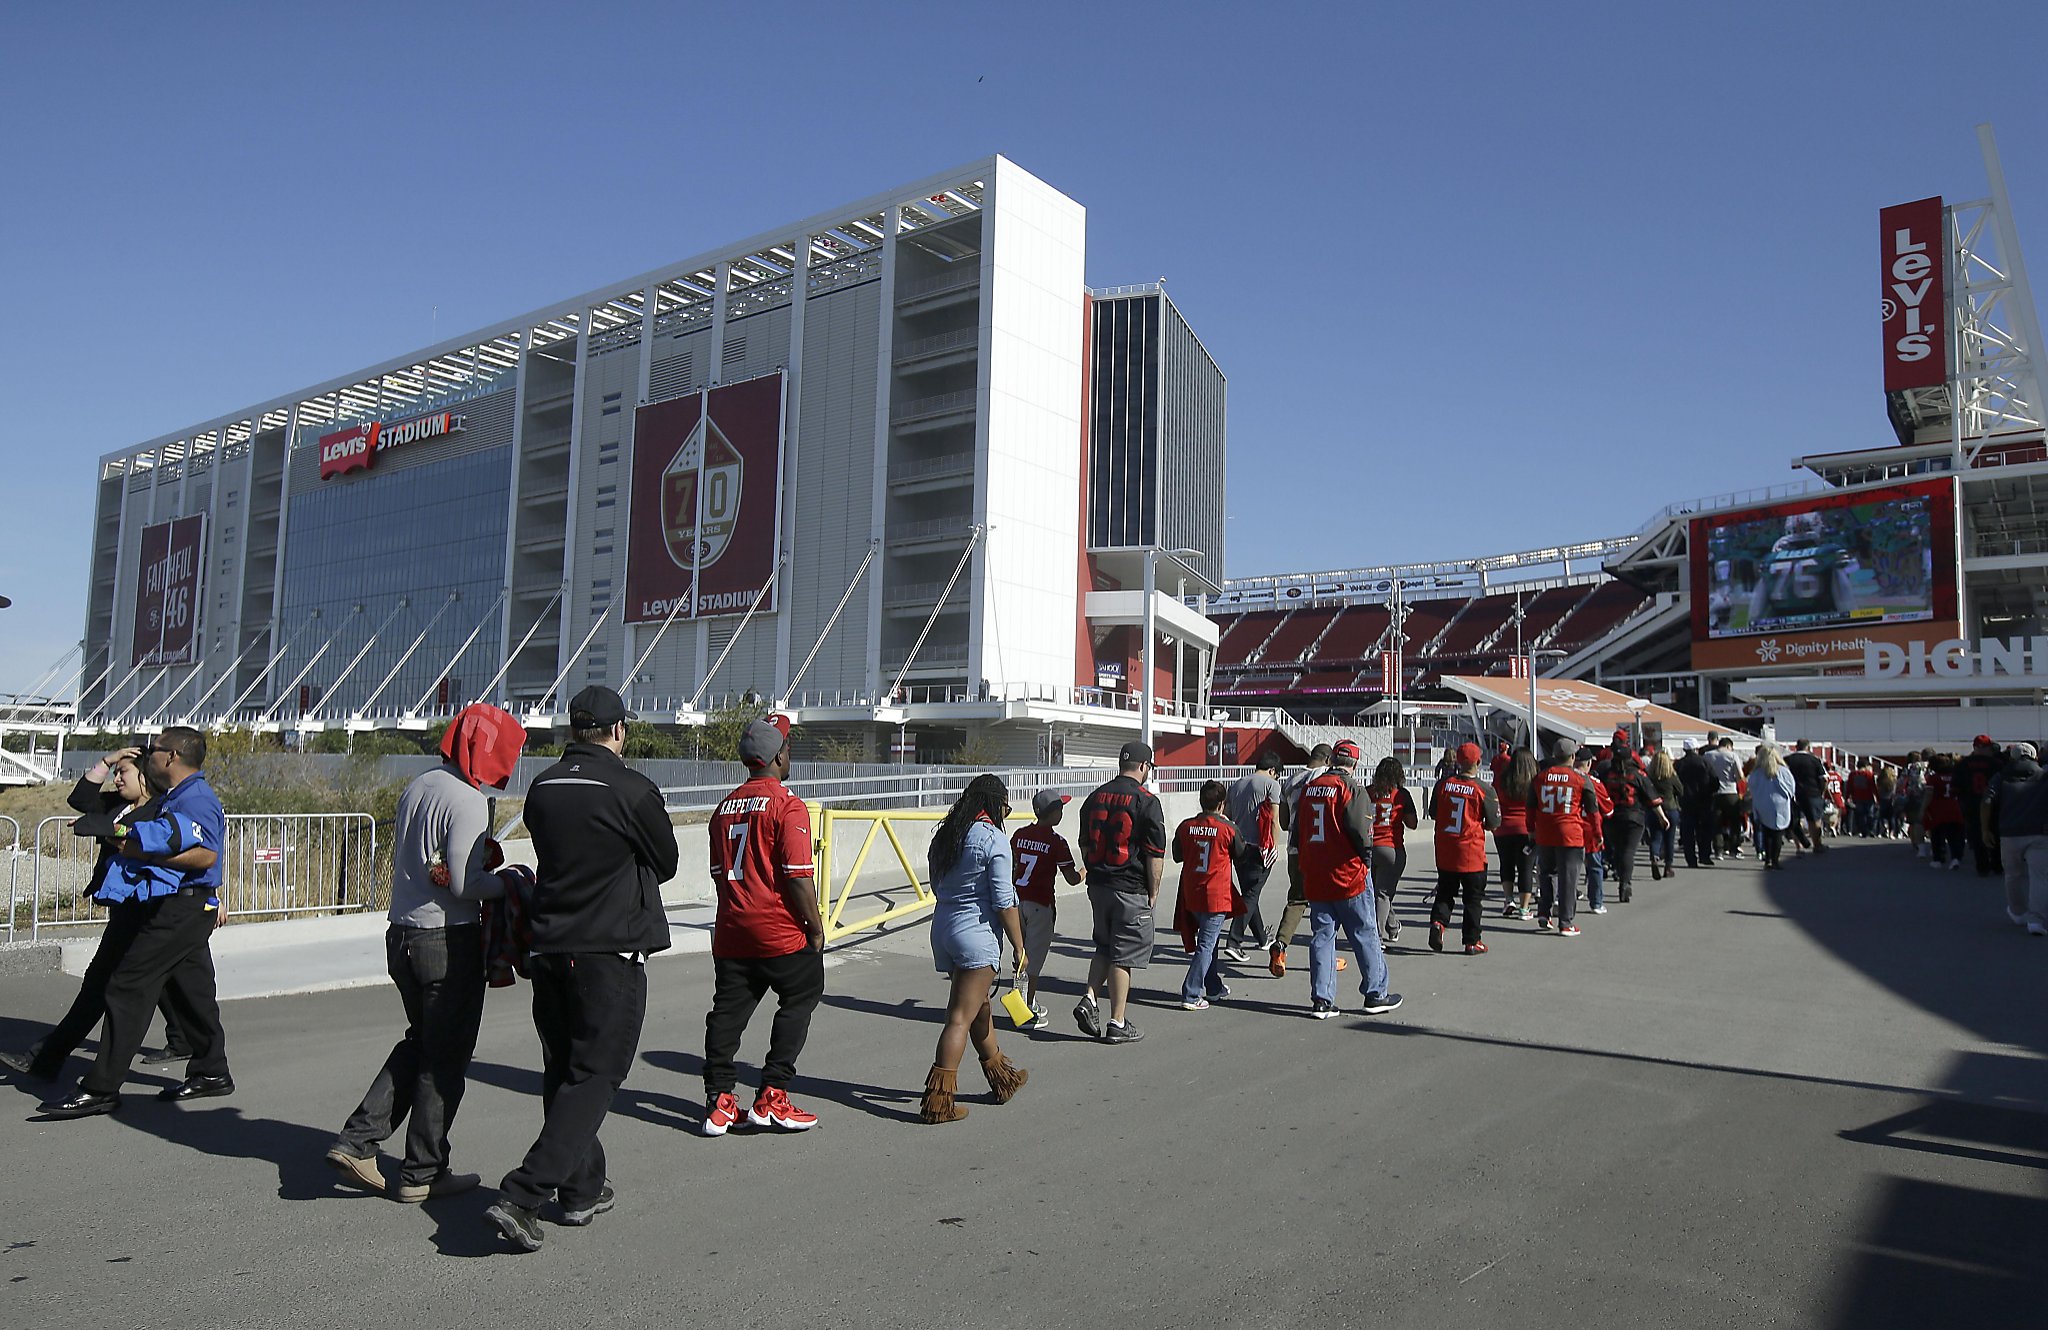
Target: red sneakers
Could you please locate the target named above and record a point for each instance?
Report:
(724, 1111)
(773, 1109)
(1475, 949)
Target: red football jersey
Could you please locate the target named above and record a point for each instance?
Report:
(1330, 866)
(1862, 786)
(1390, 812)
(1557, 804)
(1593, 815)
(1037, 854)
(1202, 846)
(1460, 816)
(760, 835)
(1943, 807)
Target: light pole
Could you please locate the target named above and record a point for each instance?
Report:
(1152, 553)
(1552, 654)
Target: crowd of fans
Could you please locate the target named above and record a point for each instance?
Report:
(580, 925)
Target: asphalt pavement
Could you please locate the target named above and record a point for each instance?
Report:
(1817, 1097)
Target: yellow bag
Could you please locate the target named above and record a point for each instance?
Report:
(1019, 1008)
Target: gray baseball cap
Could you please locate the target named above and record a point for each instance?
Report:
(763, 740)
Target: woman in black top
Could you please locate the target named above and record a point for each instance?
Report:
(129, 801)
(1664, 839)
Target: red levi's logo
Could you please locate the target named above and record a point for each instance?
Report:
(356, 447)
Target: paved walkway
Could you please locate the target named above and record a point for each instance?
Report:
(1810, 1098)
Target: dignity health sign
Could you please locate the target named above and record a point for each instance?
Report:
(705, 520)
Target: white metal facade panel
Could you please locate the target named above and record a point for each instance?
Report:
(1025, 616)
(836, 417)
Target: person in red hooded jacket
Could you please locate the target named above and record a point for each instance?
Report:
(443, 862)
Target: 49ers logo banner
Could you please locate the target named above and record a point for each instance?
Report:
(706, 511)
(167, 593)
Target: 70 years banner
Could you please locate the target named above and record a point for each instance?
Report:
(705, 521)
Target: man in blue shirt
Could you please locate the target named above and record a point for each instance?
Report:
(181, 905)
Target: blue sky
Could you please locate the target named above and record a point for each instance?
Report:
(1517, 274)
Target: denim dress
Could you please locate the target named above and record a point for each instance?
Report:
(965, 935)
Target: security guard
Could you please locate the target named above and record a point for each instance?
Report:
(604, 846)
(173, 862)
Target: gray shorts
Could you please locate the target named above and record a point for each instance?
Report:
(1123, 927)
(1038, 933)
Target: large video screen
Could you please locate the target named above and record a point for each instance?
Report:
(1859, 559)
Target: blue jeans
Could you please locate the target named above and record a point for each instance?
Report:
(1202, 979)
(1596, 878)
(1354, 914)
(1663, 841)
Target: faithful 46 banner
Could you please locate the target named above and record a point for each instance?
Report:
(705, 521)
(167, 593)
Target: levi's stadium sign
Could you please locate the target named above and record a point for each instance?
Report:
(356, 447)
(1914, 299)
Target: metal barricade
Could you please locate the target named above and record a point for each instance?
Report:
(891, 900)
(14, 855)
(276, 865)
(272, 866)
(61, 868)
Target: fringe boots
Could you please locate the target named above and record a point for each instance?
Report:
(939, 1105)
(1004, 1077)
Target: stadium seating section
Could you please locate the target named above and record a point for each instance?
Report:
(1331, 653)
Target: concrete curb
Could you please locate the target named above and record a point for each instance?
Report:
(31, 957)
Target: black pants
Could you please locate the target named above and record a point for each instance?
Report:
(1808, 810)
(1771, 841)
(440, 978)
(1727, 824)
(739, 983)
(1696, 831)
(1449, 887)
(1557, 881)
(1252, 872)
(1984, 852)
(1389, 862)
(1517, 864)
(588, 1008)
(90, 1005)
(169, 954)
(1947, 839)
(1624, 838)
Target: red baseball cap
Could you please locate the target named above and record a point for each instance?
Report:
(1981, 739)
(1344, 748)
(1468, 754)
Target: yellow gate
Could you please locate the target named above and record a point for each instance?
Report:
(830, 826)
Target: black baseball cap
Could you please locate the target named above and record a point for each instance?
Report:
(596, 708)
(1134, 751)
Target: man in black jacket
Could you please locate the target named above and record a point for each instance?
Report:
(604, 846)
(1809, 796)
(1696, 808)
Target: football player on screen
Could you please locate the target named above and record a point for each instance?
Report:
(1805, 575)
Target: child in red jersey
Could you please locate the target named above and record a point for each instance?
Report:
(1944, 815)
(1393, 817)
(1038, 855)
(1464, 810)
(1203, 846)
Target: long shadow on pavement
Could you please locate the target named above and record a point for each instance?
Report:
(1939, 940)
(225, 1132)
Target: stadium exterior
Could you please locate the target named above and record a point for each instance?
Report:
(892, 466)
